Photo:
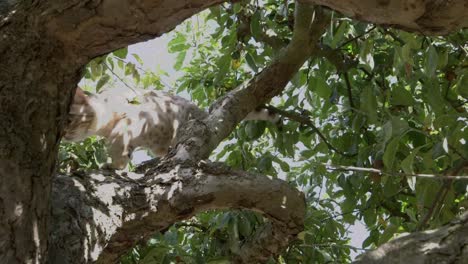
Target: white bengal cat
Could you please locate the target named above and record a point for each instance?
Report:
(129, 119)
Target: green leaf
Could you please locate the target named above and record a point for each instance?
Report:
(443, 59)
(406, 52)
(340, 34)
(251, 62)
(254, 129)
(265, 163)
(366, 55)
(388, 233)
(283, 164)
(407, 163)
(121, 53)
(432, 60)
(216, 11)
(179, 43)
(390, 152)
(255, 26)
(234, 244)
(369, 104)
(434, 98)
(401, 96)
(245, 228)
(391, 188)
(399, 126)
(237, 7)
(96, 70)
(102, 81)
(320, 86)
(462, 85)
(223, 67)
(370, 217)
(180, 60)
(425, 192)
(137, 58)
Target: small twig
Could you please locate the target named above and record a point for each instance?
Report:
(455, 150)
(394, 211)
(334, 245)
(344, 213)
(395, 37)
(307, 121)
(198, 226)
(144, 71)
(118, 77)
(440, 196)
(357, 37)
(349, 88)
(371, 77)
(372, 170)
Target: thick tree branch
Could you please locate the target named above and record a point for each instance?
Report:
(432, 17)
(228, 111)
(99, 217)
(447, 244)
(118, 23)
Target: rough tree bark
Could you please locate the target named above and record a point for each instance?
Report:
(429, 17)
(448, 244)
(97, 217)
(44, 45)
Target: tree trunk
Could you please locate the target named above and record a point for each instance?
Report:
(33, 104)
(42, 49)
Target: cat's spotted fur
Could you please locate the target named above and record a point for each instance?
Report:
(128, 119)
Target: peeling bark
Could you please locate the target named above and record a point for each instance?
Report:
(430, 17)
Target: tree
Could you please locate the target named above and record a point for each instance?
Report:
(387, 132)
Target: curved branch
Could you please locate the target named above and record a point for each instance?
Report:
(431, 17)
(97, 217)
(447, 244)
(92, 28)
(229, 110)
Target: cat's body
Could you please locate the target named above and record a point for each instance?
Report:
(128, 119)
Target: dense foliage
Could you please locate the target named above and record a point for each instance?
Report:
(370, 124)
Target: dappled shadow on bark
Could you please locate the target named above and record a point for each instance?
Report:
(100, 217)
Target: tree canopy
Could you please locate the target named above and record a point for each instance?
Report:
(374, 129)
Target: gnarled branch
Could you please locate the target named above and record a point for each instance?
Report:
(100, 217)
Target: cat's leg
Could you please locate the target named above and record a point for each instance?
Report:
(160, 151)
(119, 153)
